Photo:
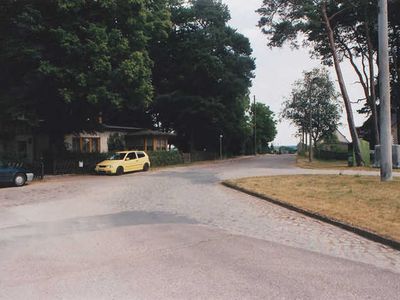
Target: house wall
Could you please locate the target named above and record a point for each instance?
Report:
(102, 135)
(132, 142)
(147, 143)
(24, 146)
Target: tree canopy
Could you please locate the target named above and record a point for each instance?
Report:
(170, 64)
(265, 126)
(64, 62)
(202, 75)
(342, 28)
(314, 97)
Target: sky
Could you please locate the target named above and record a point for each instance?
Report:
(278, 68)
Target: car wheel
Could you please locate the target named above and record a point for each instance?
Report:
(19, 179)
(146, 167)
(120, 171)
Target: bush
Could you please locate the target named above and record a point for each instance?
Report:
(330, 155)
(164, 158)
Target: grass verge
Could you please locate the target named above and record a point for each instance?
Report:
(360, 201)
(303, 163)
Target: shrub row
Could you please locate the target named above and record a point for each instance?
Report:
(164, 158)
(329, 155)
(69, 162)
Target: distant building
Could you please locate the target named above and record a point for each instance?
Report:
(130, 138)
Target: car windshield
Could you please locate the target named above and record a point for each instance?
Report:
(117, 156)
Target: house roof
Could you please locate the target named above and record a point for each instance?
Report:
(120, 128)
(341, 138)
(136, 131)
(148, 132)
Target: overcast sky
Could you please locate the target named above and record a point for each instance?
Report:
(277, 69)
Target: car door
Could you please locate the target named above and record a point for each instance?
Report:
(130, 162)
(138, 166)
(141, 159)
(6, 173)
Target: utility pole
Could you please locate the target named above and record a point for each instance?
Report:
(384, 94)
(255, 126)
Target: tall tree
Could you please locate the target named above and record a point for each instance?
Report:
(312, 106)
(202, 74)
(394, 44)
(284, 20)
(63, 62)
(265, 126)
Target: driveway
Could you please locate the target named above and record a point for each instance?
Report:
(176, 233)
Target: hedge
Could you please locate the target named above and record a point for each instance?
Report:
(164, 158)
(68, 162)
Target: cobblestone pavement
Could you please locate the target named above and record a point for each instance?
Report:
(212, 204)
(81, 208)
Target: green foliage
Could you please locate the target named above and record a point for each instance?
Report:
(313, 95)
(354, 25)
(68, 162)
(265, 126)
(202, 74)
(164, 158)
(365, 152)
(65, 61)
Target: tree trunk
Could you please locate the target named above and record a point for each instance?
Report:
(398, 124)
(372, 85)
(346, 98)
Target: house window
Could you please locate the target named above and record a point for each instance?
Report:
(149, 142)
(161, 144)
(95, 145)
(86, 144)
(76, 142)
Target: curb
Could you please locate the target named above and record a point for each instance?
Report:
(361, 232)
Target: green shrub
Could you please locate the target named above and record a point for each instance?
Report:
(164, 158)
(68, 162)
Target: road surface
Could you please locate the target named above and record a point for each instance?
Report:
(177, 233)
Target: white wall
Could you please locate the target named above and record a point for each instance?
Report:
(102, 135)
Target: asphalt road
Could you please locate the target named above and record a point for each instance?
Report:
(176, 233)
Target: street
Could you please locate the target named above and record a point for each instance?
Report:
(177, 233)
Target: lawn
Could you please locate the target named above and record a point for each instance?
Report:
(303, 163)
(361, 201)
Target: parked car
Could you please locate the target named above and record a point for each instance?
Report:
(14, 175)
(124, 161)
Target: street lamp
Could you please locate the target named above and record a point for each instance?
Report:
(220, 145)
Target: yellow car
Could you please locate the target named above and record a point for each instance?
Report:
(124, 161)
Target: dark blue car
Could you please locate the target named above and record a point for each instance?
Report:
(14, 175)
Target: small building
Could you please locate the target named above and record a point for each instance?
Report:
(22, 142)
(29, 144)
(110, 138)
(337, 143)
